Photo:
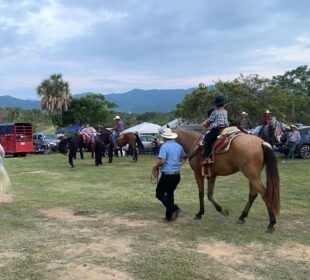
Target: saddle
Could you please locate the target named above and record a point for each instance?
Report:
(220, 146)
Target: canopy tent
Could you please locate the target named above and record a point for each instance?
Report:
(145, 128)
(70, 129)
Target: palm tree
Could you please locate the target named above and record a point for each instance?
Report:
(55, 95)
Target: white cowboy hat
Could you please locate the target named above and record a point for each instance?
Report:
(244, 113)
(167, 133)
(267, 112)
(117, 118)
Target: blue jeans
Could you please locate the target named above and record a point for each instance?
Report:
(291, 150)
(114, 136)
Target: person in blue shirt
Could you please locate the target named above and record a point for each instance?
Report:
(169, 163)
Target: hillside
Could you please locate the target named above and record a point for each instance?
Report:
(134, 101)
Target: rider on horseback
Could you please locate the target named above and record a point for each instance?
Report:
(118, 128)
(217, 120)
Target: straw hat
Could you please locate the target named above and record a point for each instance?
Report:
(117, 118)
(293, 126)
(168, 134)
(267, 112)
(244, 113)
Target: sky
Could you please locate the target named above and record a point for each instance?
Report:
(113, 46)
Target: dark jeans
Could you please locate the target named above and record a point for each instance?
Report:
(165, 192)
(209, 140)
(291, 150)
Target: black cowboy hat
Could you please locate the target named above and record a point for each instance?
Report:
(219, 100)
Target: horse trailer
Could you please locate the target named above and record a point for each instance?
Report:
(16, 138)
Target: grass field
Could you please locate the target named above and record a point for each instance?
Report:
(105, 223)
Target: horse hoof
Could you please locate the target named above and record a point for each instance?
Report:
(241, 221)
(225, 212)
(198, 217)
(270, 230)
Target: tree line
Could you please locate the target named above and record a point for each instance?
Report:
(287, 96)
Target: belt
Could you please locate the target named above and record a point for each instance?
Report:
(170, 173)
(292, 141)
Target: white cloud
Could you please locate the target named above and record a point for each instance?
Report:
(54, 22)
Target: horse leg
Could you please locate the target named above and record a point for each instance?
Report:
(110, 153)
(200, 184)
(71, 156)
(245, 212)
(135, 155)
(81, 153)
(211, 183)
(259, 187)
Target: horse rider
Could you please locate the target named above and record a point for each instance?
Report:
(265, 121)
(118, 128)
(169, 158)
(245, 124)
(217, 120)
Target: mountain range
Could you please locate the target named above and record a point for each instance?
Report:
(134, 101)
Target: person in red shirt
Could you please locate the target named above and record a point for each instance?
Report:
(266, 120)
(267, 117)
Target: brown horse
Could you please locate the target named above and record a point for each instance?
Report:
(247, 154)
(130, 138)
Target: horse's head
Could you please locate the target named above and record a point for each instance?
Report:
(104, 136)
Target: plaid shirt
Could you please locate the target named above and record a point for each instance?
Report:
(218, 118)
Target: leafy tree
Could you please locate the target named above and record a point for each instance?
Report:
(195, 105)
(252, 94)
(55, 95)
(297, 85)
(91, 109)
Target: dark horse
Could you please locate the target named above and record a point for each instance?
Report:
(268, 132)
(76, 142)
(130, 138)
(247, 154)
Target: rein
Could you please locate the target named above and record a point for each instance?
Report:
(192, 151)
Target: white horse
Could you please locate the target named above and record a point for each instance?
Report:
(4, 178)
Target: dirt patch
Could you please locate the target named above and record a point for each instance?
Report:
(130, 222)
(298, 253)
(94, 273)
(40, 172)
(6, 197)
(66, 215)
(7, 256)
(118, 248)
(224, 252)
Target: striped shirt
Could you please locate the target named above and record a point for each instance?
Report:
(218, 118)
(293, 136)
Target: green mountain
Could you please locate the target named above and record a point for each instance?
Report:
(12, 102)
(155, 100)
(134, 101)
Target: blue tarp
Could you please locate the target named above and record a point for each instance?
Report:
(69, 129)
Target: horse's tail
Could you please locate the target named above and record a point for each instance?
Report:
(63, 144)
(139, 142)
(272, 194)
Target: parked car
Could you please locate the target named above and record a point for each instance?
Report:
(146, 140)
(45, 143)
(303, 147)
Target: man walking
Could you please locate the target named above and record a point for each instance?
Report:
(169, 158)
(292, 139)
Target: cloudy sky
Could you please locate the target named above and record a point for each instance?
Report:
(116, 45)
